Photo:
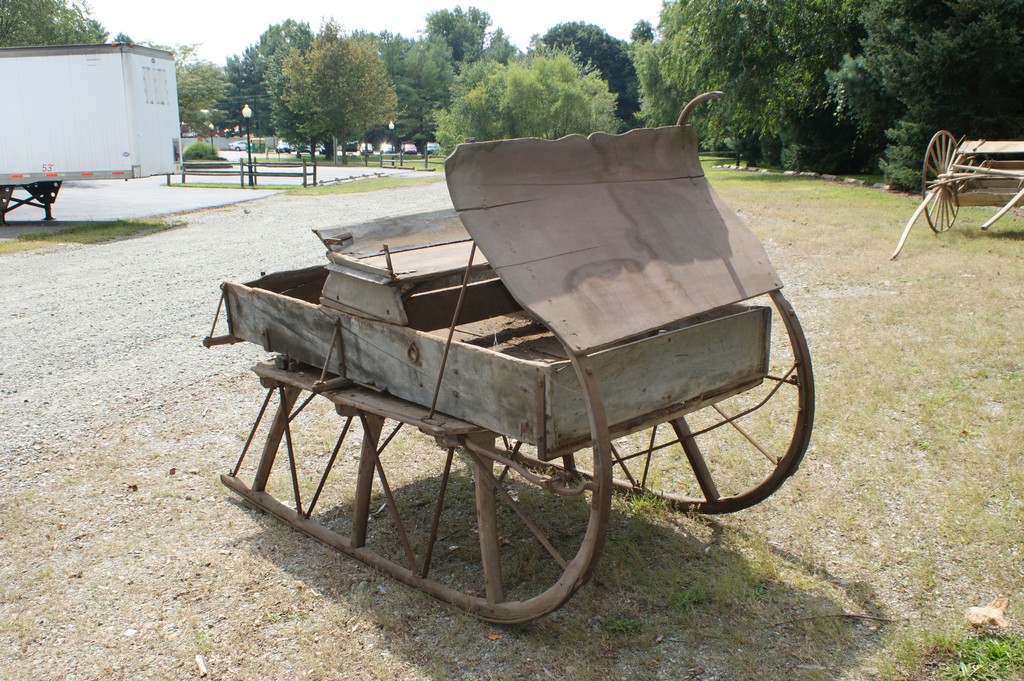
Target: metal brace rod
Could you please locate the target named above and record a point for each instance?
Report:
(291, 465)
(530, 525)
(323, 385)
(302, 406)
(451, 330)
(650, 451)
(622, 465)
(327, 469)
(252, 433)
(437, 513)
(732, 422)
(395, 514)
(216, 317)
(734, 417)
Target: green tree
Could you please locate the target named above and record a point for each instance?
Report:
(592, 46)
(955, 65)
(642, 32)
(543, 95)
(201, 86)
(246, 85)
(423, 86)
(465, 32)
(500, 48)
(422, 73)
(466, 35)
(771, 59)
(337, 87)
(861, 96)
(250, 75)
(48, 22)
(393, 48)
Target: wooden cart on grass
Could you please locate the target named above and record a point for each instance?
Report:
(967, 173)
(608, 324)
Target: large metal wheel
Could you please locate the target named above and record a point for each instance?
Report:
(939, 158)
(539, 519)
(733, 452)
(737, 452)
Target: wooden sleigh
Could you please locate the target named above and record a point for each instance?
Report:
(593, 320)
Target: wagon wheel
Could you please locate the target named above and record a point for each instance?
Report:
(938, 164)
(737, 451)
(740, 450)
(722, 458)
(596, 488)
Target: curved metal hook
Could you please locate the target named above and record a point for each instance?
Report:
(692, 104)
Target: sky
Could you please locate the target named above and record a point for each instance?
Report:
(222, 29)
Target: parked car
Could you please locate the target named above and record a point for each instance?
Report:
(409, 148)
(237, 146)
(354, 148)
(387, 148)
(283, 148)
(433, 148)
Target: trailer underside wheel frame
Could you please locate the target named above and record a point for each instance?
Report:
(41, 195)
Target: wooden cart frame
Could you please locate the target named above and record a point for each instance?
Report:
(674, 335)
(969, 173)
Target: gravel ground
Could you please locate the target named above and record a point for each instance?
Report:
(113, 418)
(110, 332)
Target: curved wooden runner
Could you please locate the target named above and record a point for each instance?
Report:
(372, 410)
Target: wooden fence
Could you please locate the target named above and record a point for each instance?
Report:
(245, 171)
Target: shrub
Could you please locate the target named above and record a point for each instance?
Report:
(201, 151)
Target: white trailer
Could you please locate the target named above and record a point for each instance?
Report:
(84, 112)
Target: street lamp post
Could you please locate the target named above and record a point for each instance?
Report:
(211, 136)
(391, 127)
(247, 114)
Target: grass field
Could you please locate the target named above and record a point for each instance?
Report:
(87, 233)
(911, 497)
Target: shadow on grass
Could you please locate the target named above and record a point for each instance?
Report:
(672, 595)
(974, 232)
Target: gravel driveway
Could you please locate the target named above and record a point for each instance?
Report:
(107, 332)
